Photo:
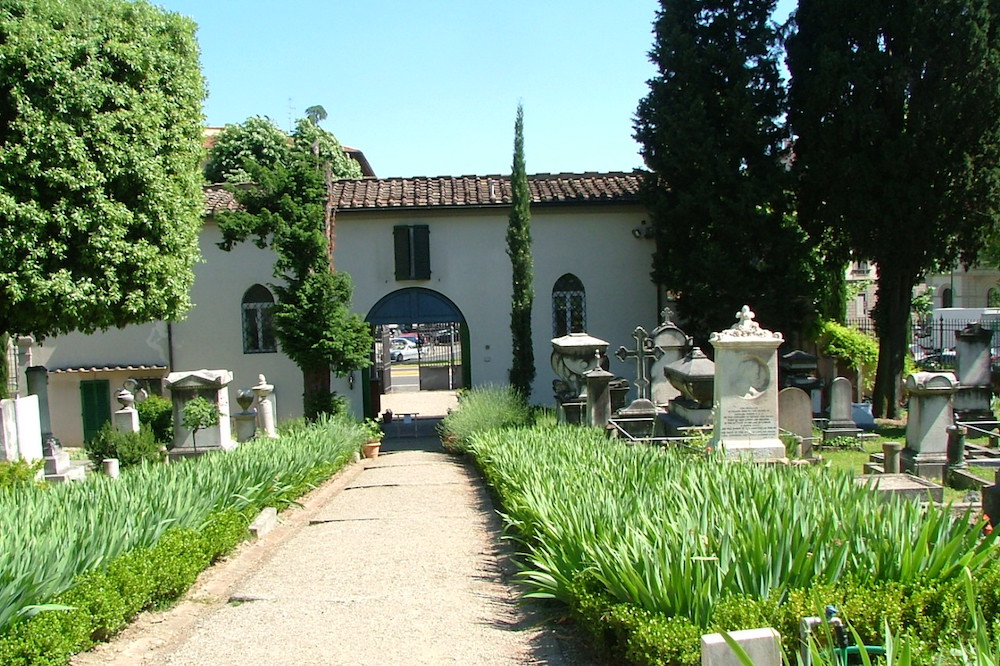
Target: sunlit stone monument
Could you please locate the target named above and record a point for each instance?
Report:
(573, 356)
(746, 390)
(211, 385)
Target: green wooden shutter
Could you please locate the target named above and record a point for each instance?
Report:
(95, 400)
(401, 243)
(421, 238)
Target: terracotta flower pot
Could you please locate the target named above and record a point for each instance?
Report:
(370, 449)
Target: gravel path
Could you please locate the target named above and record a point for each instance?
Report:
(399, 560)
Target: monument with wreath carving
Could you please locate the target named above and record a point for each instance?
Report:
(746, 390)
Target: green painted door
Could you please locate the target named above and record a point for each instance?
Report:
(95, 400)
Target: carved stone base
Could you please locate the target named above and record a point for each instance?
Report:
(928, 466)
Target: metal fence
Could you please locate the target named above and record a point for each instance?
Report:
(932, 340)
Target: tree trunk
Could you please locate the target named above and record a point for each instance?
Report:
(316, 398)
(892, 318)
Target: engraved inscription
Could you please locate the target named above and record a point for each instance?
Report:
(748, 421)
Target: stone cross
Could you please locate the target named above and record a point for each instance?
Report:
(645, 353)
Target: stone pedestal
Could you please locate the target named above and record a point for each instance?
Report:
(573, 356)
(245, 421)
(598, 397)
(126, 419)
(246, 425)
(212, 386)
(930, 415)
(638, 420)
(746, 390)
(266, 422)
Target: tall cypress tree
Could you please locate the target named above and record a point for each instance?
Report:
(712, 136)
(522, 369)
(897, 153)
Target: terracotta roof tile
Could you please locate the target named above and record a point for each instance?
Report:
(217, 198)
(462, 191)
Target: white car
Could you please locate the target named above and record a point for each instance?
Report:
(402, 349)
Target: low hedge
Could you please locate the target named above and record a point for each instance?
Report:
(104, 601)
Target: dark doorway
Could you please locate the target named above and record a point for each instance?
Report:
(421, 344)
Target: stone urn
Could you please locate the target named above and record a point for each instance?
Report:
(694, 376)
(574, 355)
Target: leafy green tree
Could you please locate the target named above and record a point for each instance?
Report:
(100, 142)
(285, 209)
(712, 136)
(522, 370)
(897, 156)
(198, 414)
(257, 140)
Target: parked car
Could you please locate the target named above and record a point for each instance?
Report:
(403, 349)
(415, 338)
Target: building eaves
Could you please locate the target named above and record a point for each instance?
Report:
(457, 192)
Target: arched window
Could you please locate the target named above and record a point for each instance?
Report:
(569, 306)
(258, 325)
(947, 298)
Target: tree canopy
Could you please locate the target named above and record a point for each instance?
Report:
(100, 142)
(285, 208)
(712, 136)
(897, 158)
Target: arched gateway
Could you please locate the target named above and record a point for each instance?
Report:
(444, 361)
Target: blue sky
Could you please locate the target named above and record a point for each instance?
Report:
(431, 87)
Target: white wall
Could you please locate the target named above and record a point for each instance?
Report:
(211, 335)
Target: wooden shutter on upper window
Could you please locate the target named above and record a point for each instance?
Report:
(401, 243)
(421, 245)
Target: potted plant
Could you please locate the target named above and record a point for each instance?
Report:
(373, 438)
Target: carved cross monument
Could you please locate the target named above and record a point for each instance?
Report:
(645, 353)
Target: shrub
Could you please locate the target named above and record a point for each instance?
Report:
(19, 473)
(130, 448)
(101, 602)
(850, 345)
(157, 412)
(481, 409)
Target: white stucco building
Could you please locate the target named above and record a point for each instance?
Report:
(420, 251)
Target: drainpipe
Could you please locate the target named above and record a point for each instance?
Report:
(170, 347)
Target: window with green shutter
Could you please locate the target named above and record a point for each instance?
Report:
(413, 251)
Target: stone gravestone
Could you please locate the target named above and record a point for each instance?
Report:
(673, 343)
(795, 415)
(211, 385)
(746, 390)
(972, 401)
(21, 434)
(841, 408)
(930, 415)
(8, 431)
(58, 467)
(638, 419)
(29, 428)
(645, 353)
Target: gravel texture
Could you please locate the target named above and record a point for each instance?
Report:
(398, 560)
